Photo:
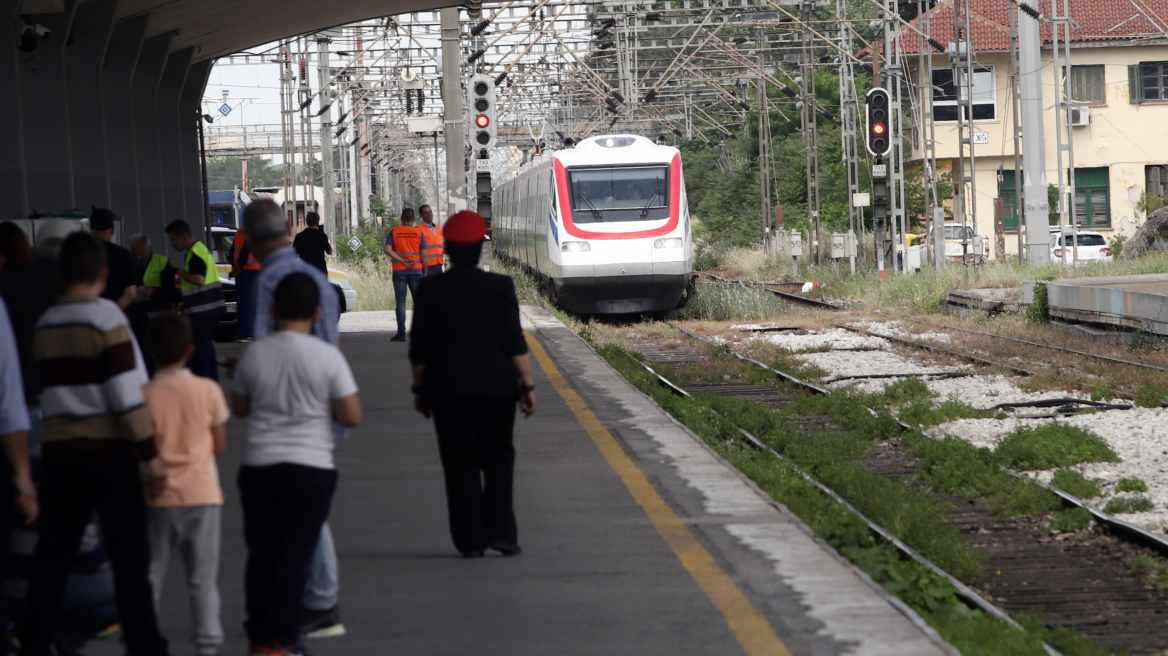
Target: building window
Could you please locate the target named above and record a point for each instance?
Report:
(1092, 198)
(945, 95)
(1148, 81)
(1087, 85)
(1157, 178)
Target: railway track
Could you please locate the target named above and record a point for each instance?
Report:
(1080, 582)
(794, 299)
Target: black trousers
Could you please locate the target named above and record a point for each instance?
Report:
(284, 506)
(478, 461)
(204, 362)
(72, 488)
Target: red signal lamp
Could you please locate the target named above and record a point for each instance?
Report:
(482, 121)
(878, 128)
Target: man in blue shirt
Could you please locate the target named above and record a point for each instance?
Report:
(267, 235)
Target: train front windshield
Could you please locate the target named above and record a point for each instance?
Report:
(600, 195)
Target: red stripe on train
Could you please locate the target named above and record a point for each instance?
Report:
(565, 205)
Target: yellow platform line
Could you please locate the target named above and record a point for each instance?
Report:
(751, 629)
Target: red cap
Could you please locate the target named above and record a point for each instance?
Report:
(465, 227)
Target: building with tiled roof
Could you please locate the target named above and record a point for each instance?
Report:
(1119, 83)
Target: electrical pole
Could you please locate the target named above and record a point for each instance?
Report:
(764, 147)
(810, 138)
(848, 109)
(287, 128)
(1016, 111)
(328, 211)
(964, 185)
(452, 106)
(1037, 210)
(1064, 135)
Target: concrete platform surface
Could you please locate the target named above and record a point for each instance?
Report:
(637, 538)
(1138, 302)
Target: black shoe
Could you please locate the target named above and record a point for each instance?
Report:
(478, 553)
(322, 623)
(505, 548)
(401, 337)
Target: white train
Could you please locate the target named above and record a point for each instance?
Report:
(604, 225)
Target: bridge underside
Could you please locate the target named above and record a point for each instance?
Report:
(104, 110)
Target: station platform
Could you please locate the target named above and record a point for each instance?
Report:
(1138, 302)
(637, 539)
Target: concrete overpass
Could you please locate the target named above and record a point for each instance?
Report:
(104, 96)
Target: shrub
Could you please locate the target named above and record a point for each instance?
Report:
(1038, 311)
(1070, 520)
(1128, 505)
(1150, 395)
(1131, 484)
(1075, 483)
(1052, 445)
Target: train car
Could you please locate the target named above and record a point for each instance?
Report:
(604, 225)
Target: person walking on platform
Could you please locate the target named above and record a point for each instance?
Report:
(312, 244)
(291, 387)
(432, 232)
(470, 365)
(405, 245)
(245, 268)
(97, 437)
(268, 237)
(202, 296)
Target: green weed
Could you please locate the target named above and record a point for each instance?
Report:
(1069, 480)
(1128, 505)
(1052, 445)
(1153, 569)
(716, 302)
(1070, 520)
(1131, 484)
(1150, 395)
(1104, 392)
(1038, 312)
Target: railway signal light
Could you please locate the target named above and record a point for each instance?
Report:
(482, 110)
(877, 111)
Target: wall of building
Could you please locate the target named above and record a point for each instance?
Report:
(1123, 137)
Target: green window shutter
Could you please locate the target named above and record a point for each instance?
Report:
(1135, 92)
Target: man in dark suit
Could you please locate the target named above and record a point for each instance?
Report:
(470, 368)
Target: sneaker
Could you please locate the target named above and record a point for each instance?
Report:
(322, 623)
(398, 338)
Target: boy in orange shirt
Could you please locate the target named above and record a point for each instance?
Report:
(189, 416)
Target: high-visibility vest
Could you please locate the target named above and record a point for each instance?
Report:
(434, 250)
(407, 243)
(202, 301)
(243, 250)
(152, 276)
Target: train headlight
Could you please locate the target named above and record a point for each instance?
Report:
(670, 242)
(576, 247)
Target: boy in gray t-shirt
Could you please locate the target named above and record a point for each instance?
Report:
(290, 386)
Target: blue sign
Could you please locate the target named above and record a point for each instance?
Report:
(225, 109)
(354, 243)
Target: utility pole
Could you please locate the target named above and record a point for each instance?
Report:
(1064, 135)
(810, 137)
(964, 185)
(1037, 210)
(895, 160)
(934, 213)
(287, 129)
(764, 146)
(1016, 111)
(849, 106)
(452, 101)
(328, 211)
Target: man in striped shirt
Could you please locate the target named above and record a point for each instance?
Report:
(96, 432)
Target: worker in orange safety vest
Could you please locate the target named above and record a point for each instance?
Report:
(245, 268)
(433, 234)
(405, 245)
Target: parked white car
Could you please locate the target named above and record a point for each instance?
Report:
(1092, 246)
(955, 235)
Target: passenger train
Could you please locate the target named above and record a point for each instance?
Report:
(604, 225)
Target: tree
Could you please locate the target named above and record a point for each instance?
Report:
(227, 173)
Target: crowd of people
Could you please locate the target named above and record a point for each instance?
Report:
(111, 418)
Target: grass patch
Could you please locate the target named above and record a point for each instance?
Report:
(912, 401)
(719, 302)
(1070, 520)
(1128, 505)
(1150, 395)
(1052, 445)
(1153, 569)
(1131, 484)
(1104, 392)
(1069, 480)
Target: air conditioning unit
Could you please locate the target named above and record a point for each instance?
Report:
(1080, 116)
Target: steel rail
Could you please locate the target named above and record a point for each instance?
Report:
(962, 591)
